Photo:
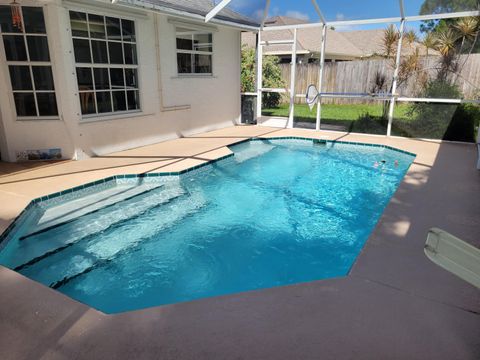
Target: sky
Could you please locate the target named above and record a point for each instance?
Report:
(343, 9)
(333, 10)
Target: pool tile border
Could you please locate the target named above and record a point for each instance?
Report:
(114, 178)
(329, 141)
(79, 189)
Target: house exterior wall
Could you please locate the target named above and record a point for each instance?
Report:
(171, 105)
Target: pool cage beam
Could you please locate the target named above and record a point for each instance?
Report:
(402, 8)
(265, 14)
(319, 12)
(392, 98)
(293, 73)
(259, 73)
(219, 7)
(320, 77)
(322, 63)
(376, 21)
(391, 108)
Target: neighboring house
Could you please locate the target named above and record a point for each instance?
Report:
(340, 45)
(308, 42)
(370, 43)
(87, 77)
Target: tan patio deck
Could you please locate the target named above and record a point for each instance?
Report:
(394, 304)
(20, 183)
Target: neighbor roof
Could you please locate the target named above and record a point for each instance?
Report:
(203, 7)
(346, 44)
(370, 42)
(308, 40)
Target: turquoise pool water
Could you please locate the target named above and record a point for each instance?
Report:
(278, 212)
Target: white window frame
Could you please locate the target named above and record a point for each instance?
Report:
(112, 114)
(192, 53)
(30, 65)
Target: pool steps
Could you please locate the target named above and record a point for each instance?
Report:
(65, 212)
(60, 268)
(44, 244)
(255, 149)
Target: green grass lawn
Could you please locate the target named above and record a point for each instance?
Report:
(337, 113)
(360, 118)
(407, 121)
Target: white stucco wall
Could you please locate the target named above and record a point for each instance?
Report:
(204, 103)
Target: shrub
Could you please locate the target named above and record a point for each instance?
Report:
(248, 70)
(442, 121)
(463, 124)
(272, 76)
(369, 124)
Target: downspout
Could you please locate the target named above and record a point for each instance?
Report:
(163, 108)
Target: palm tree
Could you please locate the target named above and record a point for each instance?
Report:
(389, 41)
(429, 42)
(467, 29)
(446, 40)
(411, 37)
(446, 45)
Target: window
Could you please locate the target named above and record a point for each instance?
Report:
(28, 60)
(194, 51)
(106, 63)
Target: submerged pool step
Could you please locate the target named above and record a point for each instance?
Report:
(43, 244)
(60, 268)
(60, 214)
(254, 149)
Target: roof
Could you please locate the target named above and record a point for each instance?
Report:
(346, 44)
(202, 8)
(370, 42)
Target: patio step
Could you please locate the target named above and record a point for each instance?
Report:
(45, 243)
(99, 249)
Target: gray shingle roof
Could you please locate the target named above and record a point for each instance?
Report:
(370, 42)
(346, 44)
(203, 7)
(308, 40)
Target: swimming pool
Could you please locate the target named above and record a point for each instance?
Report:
(278, 212)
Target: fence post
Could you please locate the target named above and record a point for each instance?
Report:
(395, 78)
(292, 81)
(320, 77)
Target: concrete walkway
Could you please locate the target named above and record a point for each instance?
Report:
(395, 303)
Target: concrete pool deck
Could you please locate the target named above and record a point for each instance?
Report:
(395, 303)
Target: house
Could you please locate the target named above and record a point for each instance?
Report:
(308, 42)
(87, 77)
(340, 45)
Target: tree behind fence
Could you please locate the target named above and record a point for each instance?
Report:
(359, 77)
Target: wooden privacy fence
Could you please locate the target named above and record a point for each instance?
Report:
(359, 77)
